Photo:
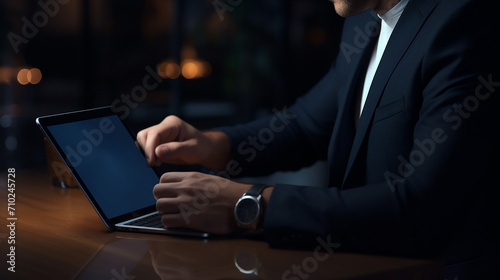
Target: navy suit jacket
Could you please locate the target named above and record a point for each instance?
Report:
(419, 174)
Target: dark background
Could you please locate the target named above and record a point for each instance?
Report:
(262, 55)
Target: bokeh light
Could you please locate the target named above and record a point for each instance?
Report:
(29, 76)
(22, 76)
(34, 76)
(190, 70)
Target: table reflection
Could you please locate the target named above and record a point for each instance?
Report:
(210, 259)
(124, 257)
(119, 258)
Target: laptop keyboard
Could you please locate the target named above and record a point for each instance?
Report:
(148, 221)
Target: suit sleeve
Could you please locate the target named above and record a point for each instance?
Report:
(290, 138)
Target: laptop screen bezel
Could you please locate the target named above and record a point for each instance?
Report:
(46, 121)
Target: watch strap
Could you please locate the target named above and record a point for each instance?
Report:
(256, 189)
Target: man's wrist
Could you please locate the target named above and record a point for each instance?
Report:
(219, 153)
(250, 208)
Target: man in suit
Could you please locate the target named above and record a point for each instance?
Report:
(406, 117)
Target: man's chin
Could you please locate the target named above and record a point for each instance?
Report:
(345, 14)
(344, 10)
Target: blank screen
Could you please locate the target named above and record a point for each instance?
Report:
(109, 163)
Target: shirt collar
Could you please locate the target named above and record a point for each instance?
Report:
(392, 16)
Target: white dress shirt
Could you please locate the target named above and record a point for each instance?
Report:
(389, 21)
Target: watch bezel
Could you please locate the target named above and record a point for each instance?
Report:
(253, 223)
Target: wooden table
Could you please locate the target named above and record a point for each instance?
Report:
(58, 235)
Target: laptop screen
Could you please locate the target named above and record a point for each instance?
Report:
(109, 163)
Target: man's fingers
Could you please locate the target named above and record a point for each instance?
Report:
(141, 140)
(166, 190)
(173, 177)
(177, 152)
(141, 137)
(171, 141)
(152, 141)
(149, 139)
(166, 131)
(167, 205)
(173, 221)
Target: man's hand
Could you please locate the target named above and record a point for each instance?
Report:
(175, 141)
(198, 201)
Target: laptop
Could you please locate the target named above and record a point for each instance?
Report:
(108, 164)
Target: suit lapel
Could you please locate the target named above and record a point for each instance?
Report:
(340, 147)
(407, 28)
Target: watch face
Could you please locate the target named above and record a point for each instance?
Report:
(247, 210)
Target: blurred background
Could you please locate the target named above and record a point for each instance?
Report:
(212, 62)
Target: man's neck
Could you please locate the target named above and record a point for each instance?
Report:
(384, 6)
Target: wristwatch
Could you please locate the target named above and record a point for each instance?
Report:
(248, 209)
